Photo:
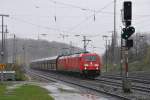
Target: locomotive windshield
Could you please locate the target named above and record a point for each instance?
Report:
(90, 58)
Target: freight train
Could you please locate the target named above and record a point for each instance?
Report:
(84, 64)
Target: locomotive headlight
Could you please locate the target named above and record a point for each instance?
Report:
(86, 65)
(96, 65)
(97, 68)
(85, 68)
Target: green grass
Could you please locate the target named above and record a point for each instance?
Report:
(26, 92)
(20, 76)
(2, 89)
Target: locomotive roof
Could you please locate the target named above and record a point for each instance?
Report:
(62, 56)
(45, 59)
(78, 55)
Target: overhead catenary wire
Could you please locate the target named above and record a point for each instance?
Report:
(41, 26)
(44, 27)
(70, 30)
(95, 12)
(89, 17)
(37, 25)
(50, 28)
(71, 5)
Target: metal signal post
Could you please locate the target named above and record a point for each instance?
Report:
(125, 35)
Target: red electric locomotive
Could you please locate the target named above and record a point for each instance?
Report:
(86, 64)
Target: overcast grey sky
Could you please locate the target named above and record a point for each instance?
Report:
(28, 18)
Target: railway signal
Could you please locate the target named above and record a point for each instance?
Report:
(127, 10)
(129, 43)
(127, 32)
(127, 19)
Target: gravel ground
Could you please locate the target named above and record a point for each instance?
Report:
(63, 92)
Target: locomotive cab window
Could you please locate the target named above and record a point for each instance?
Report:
(90, 58)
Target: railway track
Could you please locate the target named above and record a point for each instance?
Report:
(140, 77)
(131, 78)
(118, 83)
(77, 82)
(141, 84)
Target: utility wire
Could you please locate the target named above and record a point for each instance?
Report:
(41, 26)
(48, 16)
(59, 30)
(71, 5)
(96, 12)
(52, 28)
